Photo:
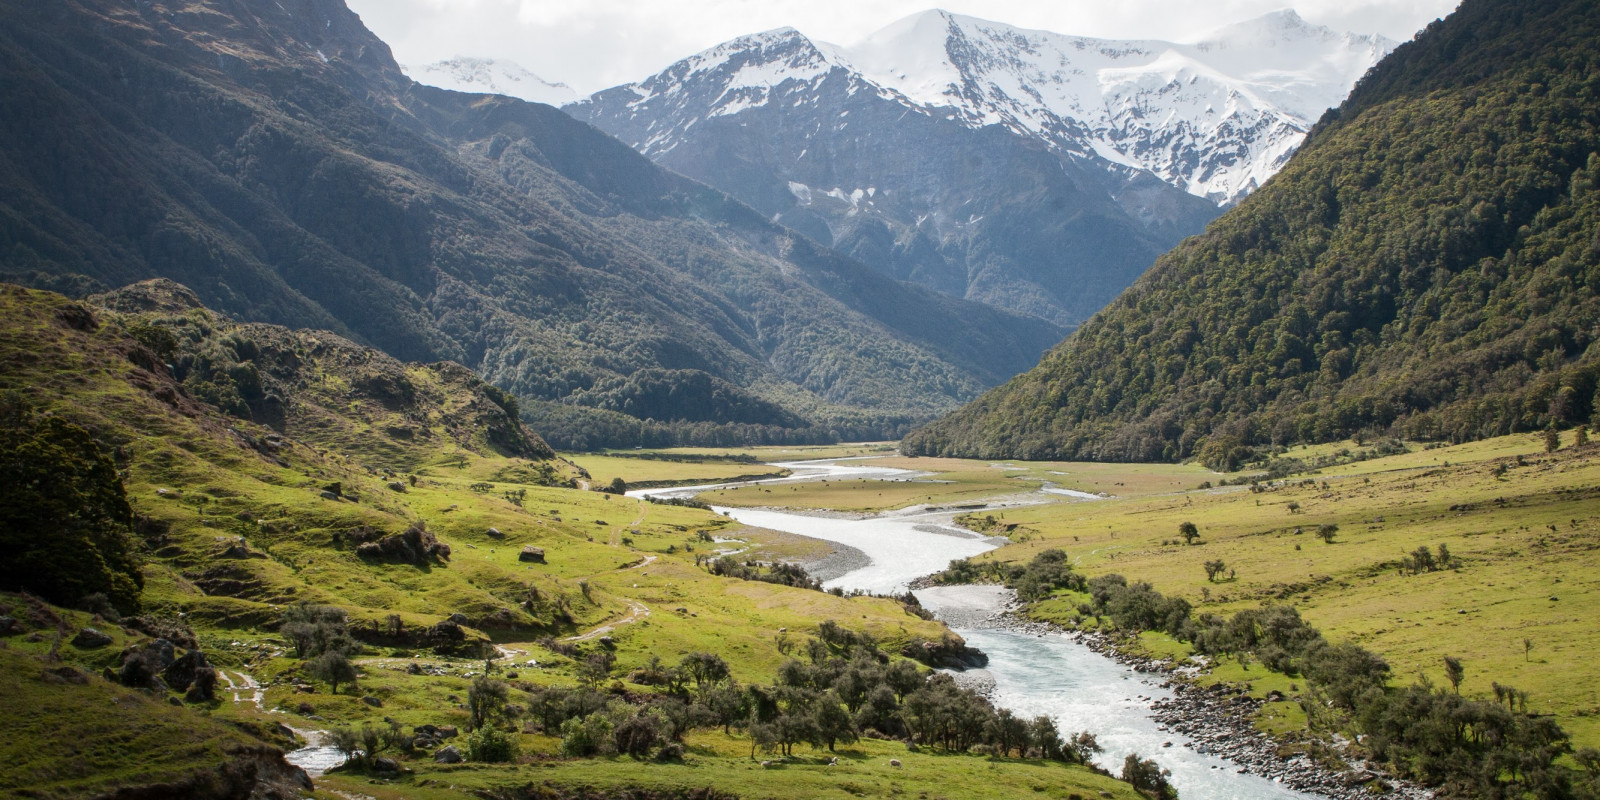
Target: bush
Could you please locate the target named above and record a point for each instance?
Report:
(491, 745)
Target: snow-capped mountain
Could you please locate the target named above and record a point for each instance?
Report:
(490, 76)
(1216, 117)
(1031, 170)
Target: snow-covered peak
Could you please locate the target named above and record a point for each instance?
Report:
(1251, 89)
(1215, 117)
(490, 76)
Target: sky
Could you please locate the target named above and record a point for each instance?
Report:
(595, 44)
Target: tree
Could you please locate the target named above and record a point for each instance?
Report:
(1189, 532)
(832, 723)
(1580, 438)
(595, 668)
(1214, 568)
(1552, 439)
(1147, 777)
(706, 670)
(486, 698)
(66, 528)
(618, 486)
(333, 668)
(1454, 672)
(1327, 532)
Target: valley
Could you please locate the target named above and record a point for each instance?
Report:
(970, 411)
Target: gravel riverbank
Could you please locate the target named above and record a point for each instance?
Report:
(1215, 720)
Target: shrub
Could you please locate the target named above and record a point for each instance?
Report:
(491, 745)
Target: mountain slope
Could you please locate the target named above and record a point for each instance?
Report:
(273, 158)
(1427, 265)
(1032, 171)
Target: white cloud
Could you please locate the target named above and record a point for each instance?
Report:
(593, 44)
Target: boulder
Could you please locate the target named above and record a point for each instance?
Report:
(447, 731)
(385, 765)
(372, 701)
(89, 639)
(9, 626)
(448, 755)
(531, 553)
(494, 533)
(181, 673)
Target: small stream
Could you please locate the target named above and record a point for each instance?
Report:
(1032, 674)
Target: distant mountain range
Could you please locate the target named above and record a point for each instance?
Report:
(273, 157)
(1427, 266)
(1030, 170)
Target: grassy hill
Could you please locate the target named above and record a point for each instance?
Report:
(329, 463)
(1425, 265)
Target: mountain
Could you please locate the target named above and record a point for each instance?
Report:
(1427, 265)
(1033, 171)
(490, 76)
(273, 158)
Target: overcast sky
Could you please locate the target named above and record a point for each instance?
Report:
(594, 44)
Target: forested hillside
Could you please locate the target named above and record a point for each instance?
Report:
(1427, 265)
(273, 158)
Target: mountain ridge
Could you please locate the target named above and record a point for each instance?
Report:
(1424, 267)
(276, 160)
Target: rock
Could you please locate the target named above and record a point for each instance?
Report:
(447, 731)
(494, 533)
(239, 550)
(181, 674)
(396, 486)
(9, 626)
(89, 639)
(448, 755)
(327, 495)
(766, 765)
(894, 762)
(458, 618)
(413, 668)
(372, 701)
(531, 553)
(385, 765)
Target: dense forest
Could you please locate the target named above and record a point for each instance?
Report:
(1427, 266)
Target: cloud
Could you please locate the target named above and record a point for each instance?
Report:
(593, 44)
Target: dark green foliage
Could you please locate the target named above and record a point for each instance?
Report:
(779, 573)
(332, 667)
(486, 700)
(1426, 264)
(1148, 777)
(65, 524)
(491, 745)
(1049, 571)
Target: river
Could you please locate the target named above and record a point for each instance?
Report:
(1032, 674)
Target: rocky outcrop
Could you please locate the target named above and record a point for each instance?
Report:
(249, 773)
(417, 546)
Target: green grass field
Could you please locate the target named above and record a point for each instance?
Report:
(1526, 540)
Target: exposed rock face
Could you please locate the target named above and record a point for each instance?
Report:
(417, 545)
(88, 639)
(250, 773)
